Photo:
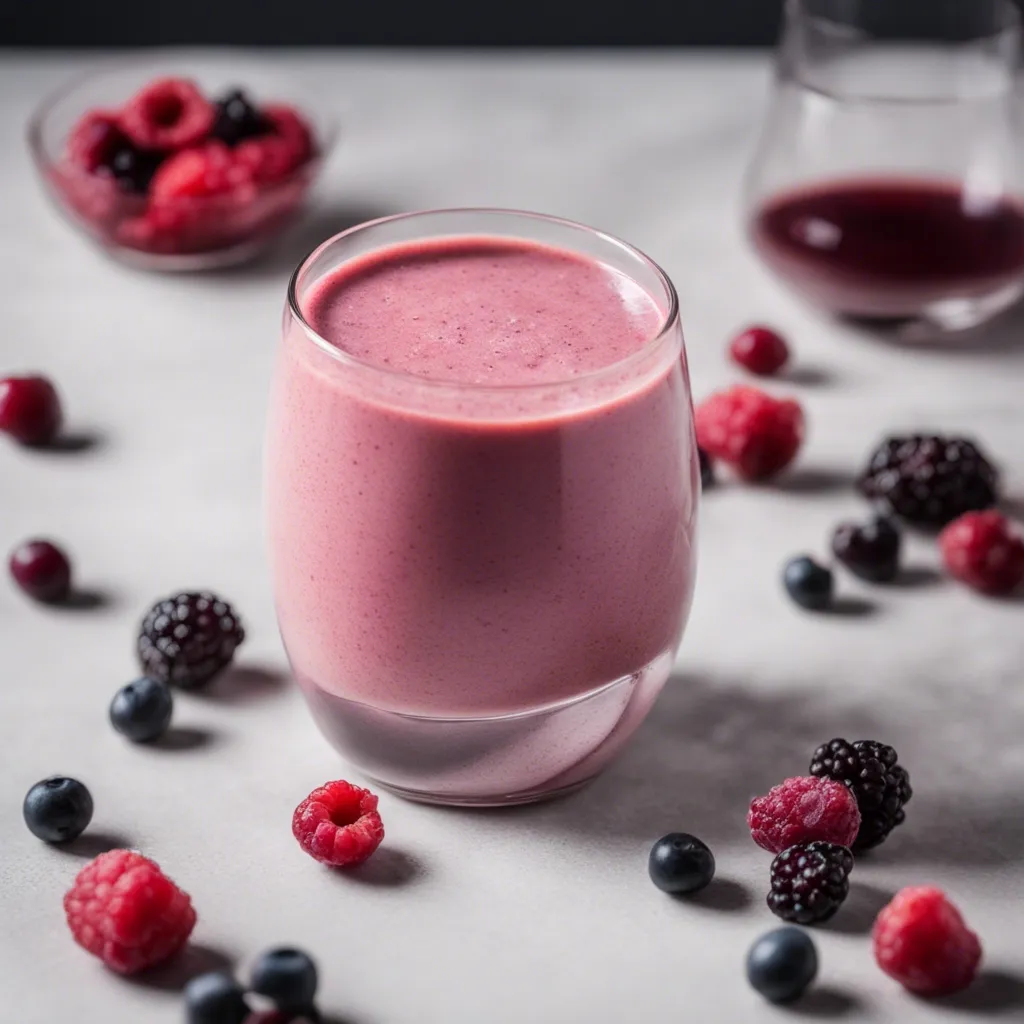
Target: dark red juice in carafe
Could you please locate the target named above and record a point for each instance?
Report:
(891, 248)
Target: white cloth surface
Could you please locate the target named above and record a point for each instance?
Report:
(542, 915)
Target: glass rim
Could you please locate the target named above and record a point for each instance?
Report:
(1010, 14)
(346, 359)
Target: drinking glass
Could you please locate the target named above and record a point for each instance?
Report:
(481, 589)
(886, 183)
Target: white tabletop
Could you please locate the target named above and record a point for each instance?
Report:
(542, 915)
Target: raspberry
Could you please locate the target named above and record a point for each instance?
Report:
(338, 824)
(804, 810)
(273, 157)
(756, 434)
(188, 639)
(94, 140)
(930, 480)
(760, 350)
(124, 910)
(167, 114)
(810, 881)
(880, 785)
(922, 941)
(197, 173)
(985, 551)
(30, 410)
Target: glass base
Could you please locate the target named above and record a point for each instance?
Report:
(500, 760)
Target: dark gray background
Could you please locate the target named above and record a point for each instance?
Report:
(433, 22)
(388, 22)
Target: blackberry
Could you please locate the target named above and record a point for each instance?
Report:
(810, 882)
(880, 784)
(188, 639)
(133, 168)
(870, 551)
(237, 119)
(930, 480)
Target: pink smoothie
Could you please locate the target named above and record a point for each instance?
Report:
(447, 553)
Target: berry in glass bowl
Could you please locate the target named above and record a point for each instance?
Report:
(185, 167)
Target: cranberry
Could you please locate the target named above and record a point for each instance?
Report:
(761, 350)
(29, 409)
(42, 570)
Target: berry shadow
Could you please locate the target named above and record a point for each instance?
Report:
(848, 606)
(914, 577)
(826, 1003)
(92, 843)
(86, 599)
(857, 914)
(389, 867)
(723, 894)
(185, 737)
(994, 993)
(815, 480)
(240, 684)
(194, 960)
(74, 442)
(808, 376)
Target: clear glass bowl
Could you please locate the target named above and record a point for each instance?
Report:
(207, 232)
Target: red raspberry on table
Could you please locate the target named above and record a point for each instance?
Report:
(804, 810)
(760, 350)
(756, 434)
(338, 824)
(985, 551)
(94, 139)
(30, 409)
(198, 173)
(922, 941)
(167, 114)
(123, 909)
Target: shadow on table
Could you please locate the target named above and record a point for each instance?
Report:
(858, 913)
(993, 992)
(320, 222)
(92, 843)
(826, 1003)
(242, 684)
(710, 745)
(193, 960)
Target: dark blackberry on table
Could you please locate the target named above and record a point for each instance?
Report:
(873, 774)
(188, 639)
(810, 881)
(930, 480)
(870, 551)
(238, 119)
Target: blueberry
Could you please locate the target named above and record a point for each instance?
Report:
(57, 809)
(808, 583)
(287, 976)
(871, 551)
(237, 119)
(215, 998)
(680, 863)
(142, 710)
(707, 469)
(781, 964)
